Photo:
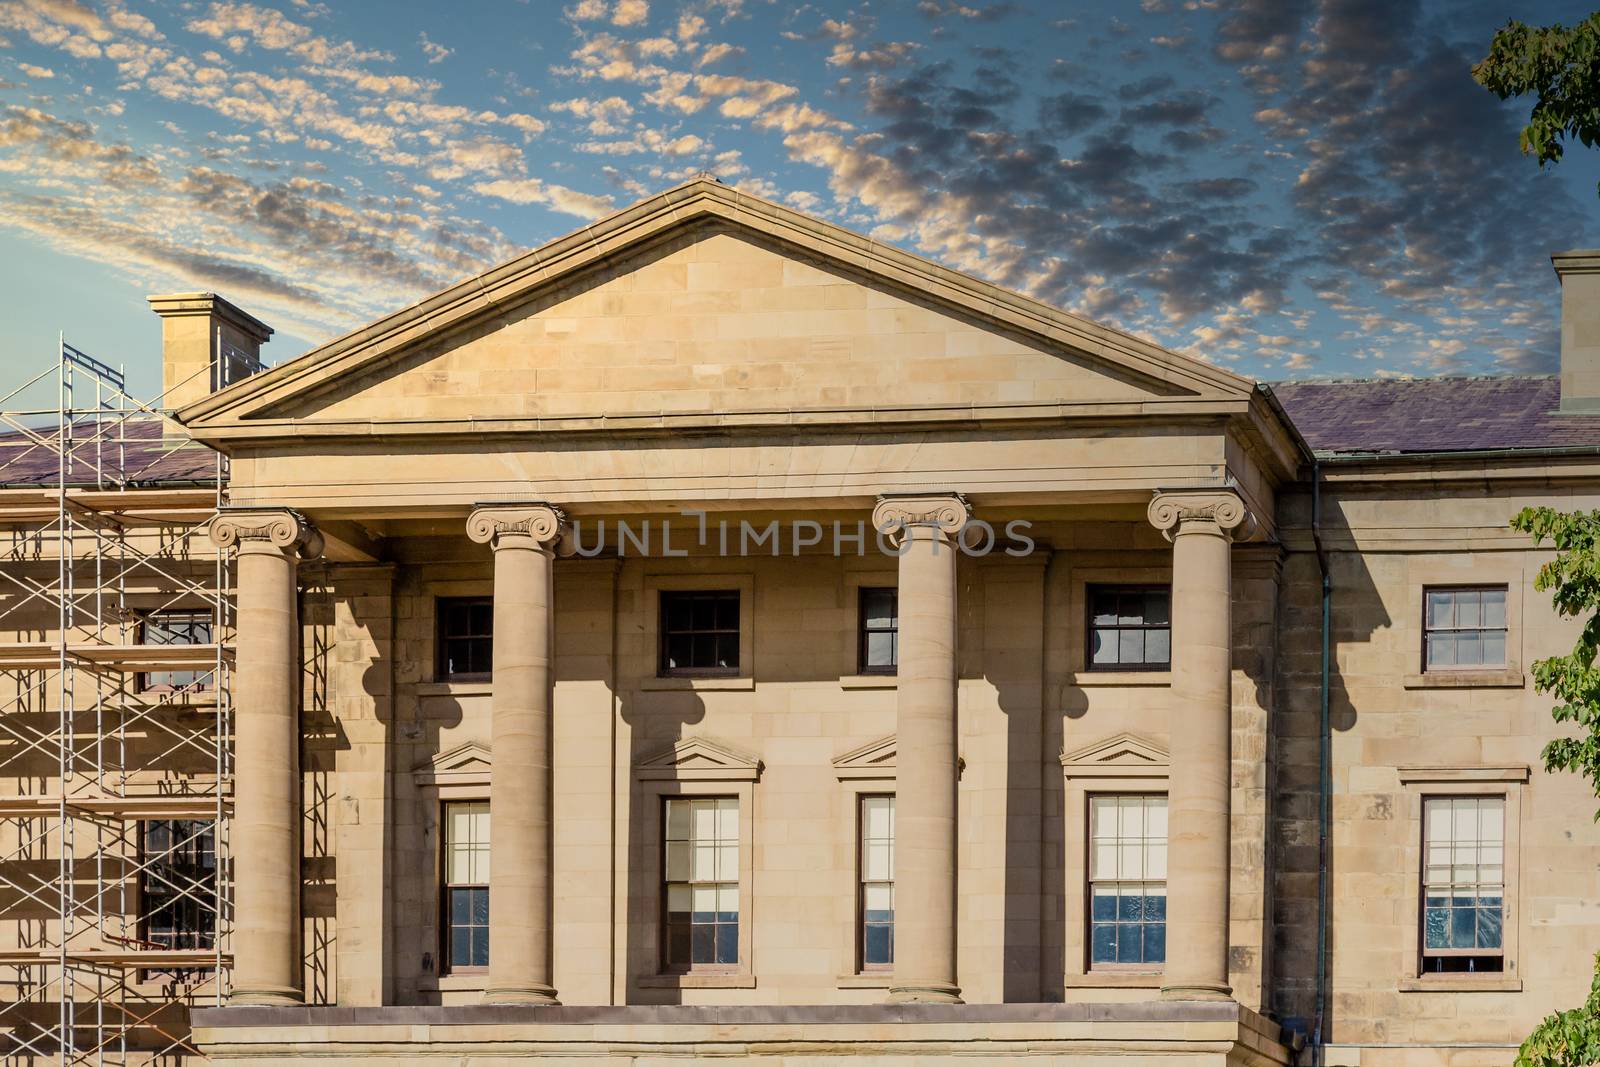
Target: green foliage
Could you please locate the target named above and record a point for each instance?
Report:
(1572, 579)
(1561, 67)
(1566, 1038)
(1570, 1038)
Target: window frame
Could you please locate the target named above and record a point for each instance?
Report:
(1420, 783)
(144, 859)
(1504, 629)
(445, 927)
(864, 632)
(1120, 764)
(664, 635)
(205, 682)
(861, 965)
(664, 885)
(1090, 589)
(441, 640)
(693, 768)
(1089, 880)
(1423, 951)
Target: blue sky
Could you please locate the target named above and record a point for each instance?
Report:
(1288, 188)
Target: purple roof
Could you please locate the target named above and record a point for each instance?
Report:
(107, 453)
(1435, 415)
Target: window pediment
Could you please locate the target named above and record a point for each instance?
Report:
(466, 764)
(700, 759)
(1125, 755)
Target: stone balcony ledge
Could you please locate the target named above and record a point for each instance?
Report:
(1203, 1032)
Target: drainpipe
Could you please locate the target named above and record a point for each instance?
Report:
(1324, 772)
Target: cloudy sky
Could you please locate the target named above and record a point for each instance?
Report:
(1288, 188)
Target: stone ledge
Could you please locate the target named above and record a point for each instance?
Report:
(1152, 1011)
(1211, 1033)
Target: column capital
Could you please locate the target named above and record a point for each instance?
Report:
(266, 530)
(498, 525)
(1216, 511)
(945, 512)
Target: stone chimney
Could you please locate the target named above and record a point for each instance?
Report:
(1580, 329)
(206, 343)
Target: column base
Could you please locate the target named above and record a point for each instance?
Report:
(1197, 991)
(272, 995)
(925, 993)
(531, 995)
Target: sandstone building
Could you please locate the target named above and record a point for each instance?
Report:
(718, 634)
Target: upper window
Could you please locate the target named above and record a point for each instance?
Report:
(701, 897)
(466, 884)
(178, 883)
(1130, 628)
(876, 942)
(879, 645)
(700, 632)
(176, 628)
(1464, 627)
(1463, 884)
(1128, 881)
(466, 638)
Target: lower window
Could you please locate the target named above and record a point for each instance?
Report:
(178, 887)
(1127, 881)
(176, 628)
(876, 937)
(701, 898)
(466, 885)
(1463, 890)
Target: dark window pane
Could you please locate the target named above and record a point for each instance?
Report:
(728, 943)
(1463, 927)
(678, 943)
(699, 631)
(703, 944)
(480, 907)
(875, 944)
(460, 946)
(1155, 943)
(1130, 946)
(1104, 943)
(480, 946)
(1156, 607)
(1104, 907)
(460, 906)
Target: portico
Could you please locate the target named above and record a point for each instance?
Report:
(673, 717)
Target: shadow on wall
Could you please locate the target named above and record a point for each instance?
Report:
(1358, 614)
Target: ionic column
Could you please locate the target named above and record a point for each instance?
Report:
(265, 835)
(925, 746)
(523, 537)
(1200, 523)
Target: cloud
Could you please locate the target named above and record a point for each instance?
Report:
(436, 53)
(630, 12)
(560, 198)
(36, 72)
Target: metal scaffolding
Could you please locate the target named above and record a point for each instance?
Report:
(115, 725)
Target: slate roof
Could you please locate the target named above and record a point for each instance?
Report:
(107, 453)
(1434, 415)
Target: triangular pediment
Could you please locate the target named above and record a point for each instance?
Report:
(469, 762)
(703, 299)
(872, 760)
(700, 759)
(1123, 756)
(875, 759)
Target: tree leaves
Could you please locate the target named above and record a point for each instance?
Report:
(1566, 1038)
(1569, 1038)
(1559, 66)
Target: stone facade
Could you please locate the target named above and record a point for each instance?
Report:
(764, 383)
